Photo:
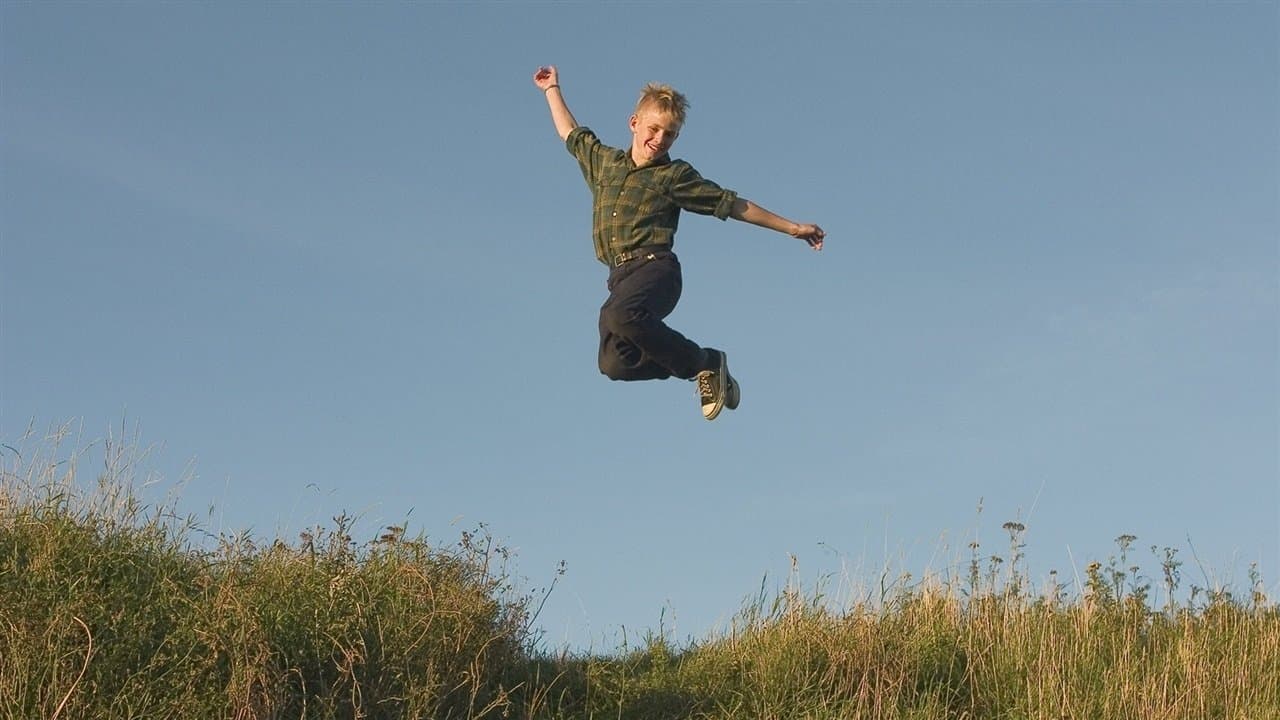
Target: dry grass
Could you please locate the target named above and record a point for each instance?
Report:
(108, 610)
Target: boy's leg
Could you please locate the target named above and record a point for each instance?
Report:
(634, 342)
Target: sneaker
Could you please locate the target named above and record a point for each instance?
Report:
(732, 395)
(712, 388)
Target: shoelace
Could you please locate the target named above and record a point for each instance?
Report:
(705, 388)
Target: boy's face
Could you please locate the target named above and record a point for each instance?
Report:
(653, 132)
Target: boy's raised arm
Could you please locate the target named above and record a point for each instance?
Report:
(548, 81)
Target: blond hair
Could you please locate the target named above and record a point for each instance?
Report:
(666, 98)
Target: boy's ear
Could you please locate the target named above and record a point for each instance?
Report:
(632, 122)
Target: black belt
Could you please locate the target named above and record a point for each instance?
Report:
(647, 252)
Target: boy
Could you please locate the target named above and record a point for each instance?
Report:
(637, 198)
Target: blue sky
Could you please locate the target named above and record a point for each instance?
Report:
(333, 258)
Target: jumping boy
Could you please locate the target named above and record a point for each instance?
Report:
(637, 198)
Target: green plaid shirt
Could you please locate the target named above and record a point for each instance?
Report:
(636, 207)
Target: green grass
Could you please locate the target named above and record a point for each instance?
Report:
(112, 609)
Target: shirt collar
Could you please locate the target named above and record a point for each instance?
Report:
(663, 159)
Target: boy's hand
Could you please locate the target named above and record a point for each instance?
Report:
(809, 233)
(546, 78)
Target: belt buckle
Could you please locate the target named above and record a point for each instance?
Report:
(621, 258)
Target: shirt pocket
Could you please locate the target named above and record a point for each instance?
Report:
(649, 202)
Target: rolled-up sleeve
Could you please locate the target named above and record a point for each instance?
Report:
(584, 145)
(699, 195)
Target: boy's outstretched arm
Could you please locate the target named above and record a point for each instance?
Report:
(548, 80)
(747, 211)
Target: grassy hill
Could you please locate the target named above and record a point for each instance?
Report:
(111, 609)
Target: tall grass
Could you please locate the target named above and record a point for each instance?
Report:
(113, 609)
(108, 609)
(929, 654)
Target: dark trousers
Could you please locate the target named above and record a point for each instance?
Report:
(634, 342)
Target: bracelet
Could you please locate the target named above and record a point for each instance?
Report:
(549, 87)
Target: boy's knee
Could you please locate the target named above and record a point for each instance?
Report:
(612, 368)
